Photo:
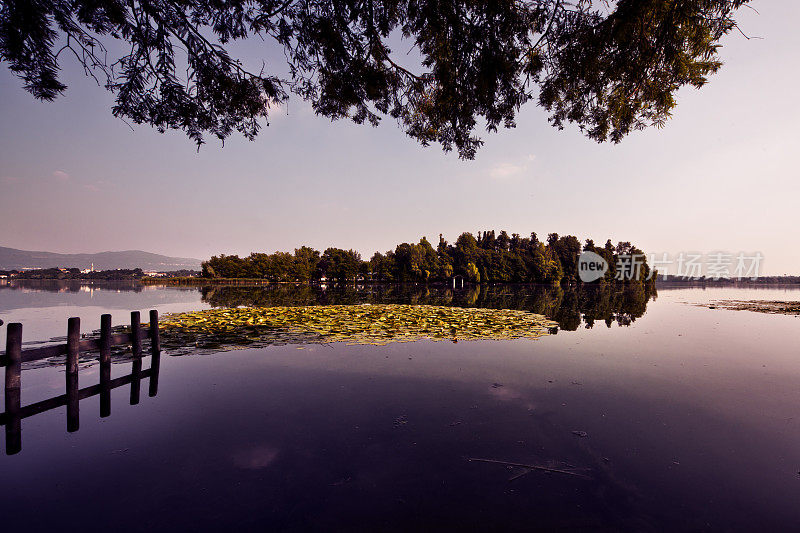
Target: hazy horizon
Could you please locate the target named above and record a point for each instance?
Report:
(721, 176)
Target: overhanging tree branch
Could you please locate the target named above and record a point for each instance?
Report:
(608, 68)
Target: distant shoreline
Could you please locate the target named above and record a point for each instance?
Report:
(200, 281)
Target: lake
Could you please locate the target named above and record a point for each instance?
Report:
(644, 412)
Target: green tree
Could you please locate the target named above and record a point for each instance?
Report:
(340, 265)
(383, 267)
(227, 266)
(608, 67)
(568, 249)
(415, 262)
(504, 260)
(503, 242)
(445, 271)
(545, 266)
(464, 252)
(259, 264)
(279, 266)
(472, 273)
(207, 271)
(305, 263)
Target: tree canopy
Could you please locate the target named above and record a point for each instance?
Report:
(610, 67)
(489, 258)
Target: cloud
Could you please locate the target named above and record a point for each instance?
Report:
(61, 176)
(8, 180)
(508, 170)
(92, 188)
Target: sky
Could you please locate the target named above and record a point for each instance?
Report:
(720, 177)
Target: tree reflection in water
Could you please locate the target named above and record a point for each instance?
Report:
(570, 307)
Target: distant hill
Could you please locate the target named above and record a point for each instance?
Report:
(12, 259)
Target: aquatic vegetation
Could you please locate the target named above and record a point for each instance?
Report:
(773, 307)
(354, 324)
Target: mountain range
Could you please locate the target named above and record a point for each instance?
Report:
(13, 259)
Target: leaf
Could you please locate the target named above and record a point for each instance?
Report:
(263, 326)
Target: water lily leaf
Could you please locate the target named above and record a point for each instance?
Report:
(353, 324)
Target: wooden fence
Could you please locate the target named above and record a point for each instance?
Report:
(14, 357)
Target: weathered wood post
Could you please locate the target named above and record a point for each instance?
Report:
(12, 388)
(136, 349)
(136, 334)
(105, 366)
(155, 353)
(73, 352)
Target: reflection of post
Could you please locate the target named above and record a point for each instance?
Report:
(136, 381)
(12, 393)
(105, 365)
(136, 348)
(155, 352)
(73, 348)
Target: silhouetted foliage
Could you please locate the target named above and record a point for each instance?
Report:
(487, 259)
(609, 67)
(74, 273)
(184, 273)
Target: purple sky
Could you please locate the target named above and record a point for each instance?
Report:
(722, 175)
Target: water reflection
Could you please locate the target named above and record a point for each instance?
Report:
(570, 307)
(72, 285)
(685, 423)
(15, 412)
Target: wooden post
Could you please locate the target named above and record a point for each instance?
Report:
(155, 352)
(105, 366)
(12, 388)
(73, 352)
(136, 350)
(136, 334)
(155, 347)
(73, 344)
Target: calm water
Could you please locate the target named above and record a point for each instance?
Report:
(681, 417)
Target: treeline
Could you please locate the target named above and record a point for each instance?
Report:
(487, 258)
(185, 273)
(74, 273)
(101, 275)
